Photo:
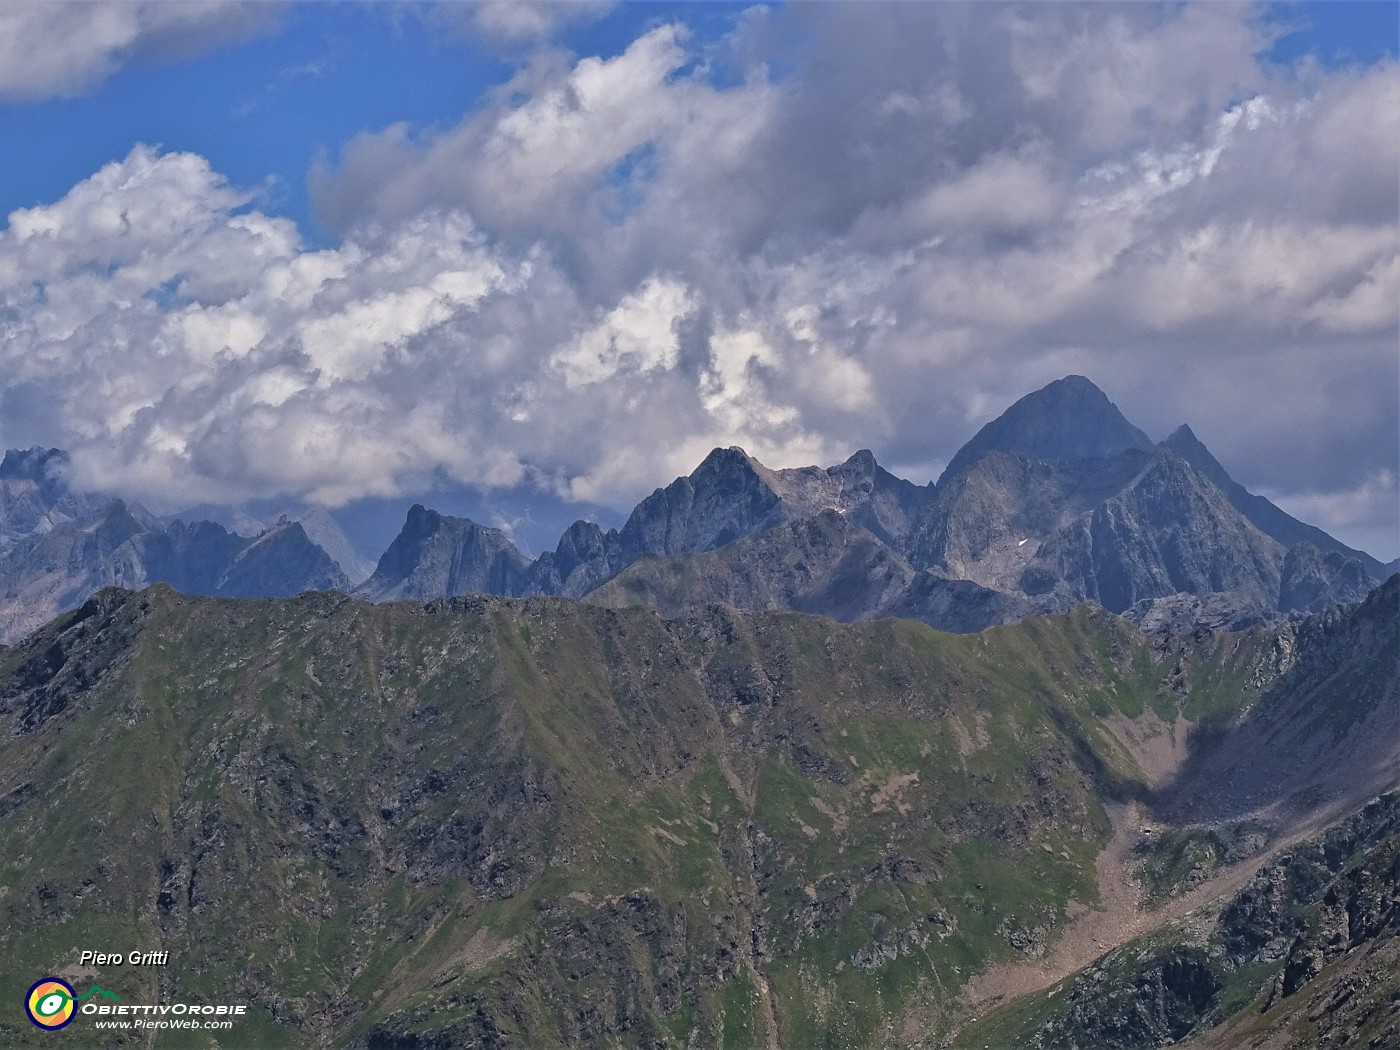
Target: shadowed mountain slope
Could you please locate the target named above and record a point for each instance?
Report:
(1298, 947)
(58, 546)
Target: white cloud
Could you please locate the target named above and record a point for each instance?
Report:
(1366, 509)
(58, 48)
(510, 23)
(615, 263)
(639, 335)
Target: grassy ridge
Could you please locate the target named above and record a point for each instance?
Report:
(534, 823)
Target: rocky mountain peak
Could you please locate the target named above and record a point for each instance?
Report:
(1261, 513)
(862, 462)
(1184, 442)
(726, 462)
(435, 555)
(1070, 419)
(728, 496)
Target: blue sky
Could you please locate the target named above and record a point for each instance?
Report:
(803, 229)
(263, 110)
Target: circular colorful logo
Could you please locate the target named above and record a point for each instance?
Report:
(50, 1003)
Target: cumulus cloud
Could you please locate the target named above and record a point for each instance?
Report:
(512, 23)
(617, 262)
(61, 49)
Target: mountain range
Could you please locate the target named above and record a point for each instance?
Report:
(57, 547)
(1058, 500)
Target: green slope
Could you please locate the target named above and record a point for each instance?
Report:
(534, 823)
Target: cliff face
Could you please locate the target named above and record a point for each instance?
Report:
(1168, 531)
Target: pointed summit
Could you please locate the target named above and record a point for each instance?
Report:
(1184, 442)
(729, 495)
(1069, 419)
(861, 462)
(1261, 513)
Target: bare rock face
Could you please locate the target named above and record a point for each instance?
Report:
(436, 556)
(1262, 514)
(1179, 613)
(1168, 531)
(728, 497)
(1311, 579)
(585, 557)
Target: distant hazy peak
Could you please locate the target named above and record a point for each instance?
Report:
(36, 463)
(1069, 419)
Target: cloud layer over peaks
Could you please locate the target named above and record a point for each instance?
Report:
(823, 231)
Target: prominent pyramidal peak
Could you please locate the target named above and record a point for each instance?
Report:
(1068, 420)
